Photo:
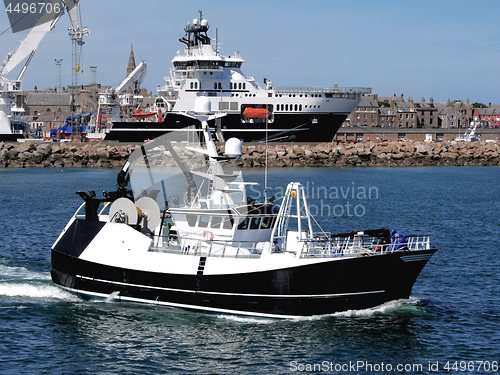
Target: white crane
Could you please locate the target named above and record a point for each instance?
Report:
(76, 33)
(27, 49)
(111, 97)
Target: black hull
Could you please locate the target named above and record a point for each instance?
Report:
(324, 288)
(10, 137)
(297, 127)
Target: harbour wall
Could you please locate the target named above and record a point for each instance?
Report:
(331, 154)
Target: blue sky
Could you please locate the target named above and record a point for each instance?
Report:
(444, 49)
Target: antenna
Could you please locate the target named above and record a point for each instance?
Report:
(265, 170)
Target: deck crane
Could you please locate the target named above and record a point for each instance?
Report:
(26, 50)
(111, 97)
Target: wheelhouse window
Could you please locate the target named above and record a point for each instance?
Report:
(254, 224)
(216, 222)
(191, 219)
(204, 220)
(243, 224)
(267, 222)
(228, 222)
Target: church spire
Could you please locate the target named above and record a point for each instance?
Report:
(131, 61)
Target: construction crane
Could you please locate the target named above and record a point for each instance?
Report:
(26, 50)
(111, 97)
(76, 33)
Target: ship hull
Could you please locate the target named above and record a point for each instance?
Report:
(296, 127)
(13, 137)
(324, 287)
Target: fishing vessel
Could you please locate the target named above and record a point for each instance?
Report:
(290, 113)
(180, 230)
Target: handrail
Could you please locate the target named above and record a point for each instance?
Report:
(340, 90)
(318, 247)
(362, 246)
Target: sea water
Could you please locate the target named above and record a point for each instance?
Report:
(450, 324)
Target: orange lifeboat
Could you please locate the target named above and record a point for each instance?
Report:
(250, 112)
(142, 115)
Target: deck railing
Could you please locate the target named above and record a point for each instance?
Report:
(332, 90)
(210, 248)
(316, 247)
(361, 246)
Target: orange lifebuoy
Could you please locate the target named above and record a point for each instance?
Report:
(211, 236)
(204, 234)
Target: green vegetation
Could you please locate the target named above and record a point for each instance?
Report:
(479, 105)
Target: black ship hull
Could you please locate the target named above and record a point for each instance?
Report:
(296, 127)
(314, 289)
(10, 137)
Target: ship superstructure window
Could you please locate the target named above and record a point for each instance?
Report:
(204, 220)
(191, 219)
(227, 222)
(232, 64)
(243, 223)
(267, 222)
(254, 224)
(216, 222)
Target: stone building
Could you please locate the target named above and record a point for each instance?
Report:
(47, 109)
(454, 115)
(427, 113)
(366, 113)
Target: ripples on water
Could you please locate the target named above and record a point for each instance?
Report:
(451, 316)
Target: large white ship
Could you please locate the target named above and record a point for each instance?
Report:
(252, 111)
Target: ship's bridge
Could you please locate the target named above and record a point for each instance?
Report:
(205, 63)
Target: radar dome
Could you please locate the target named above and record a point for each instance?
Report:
(233, 147)
(195, 21)
(204, 22)
(202, 105)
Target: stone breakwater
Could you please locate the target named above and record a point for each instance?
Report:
(336, 154)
